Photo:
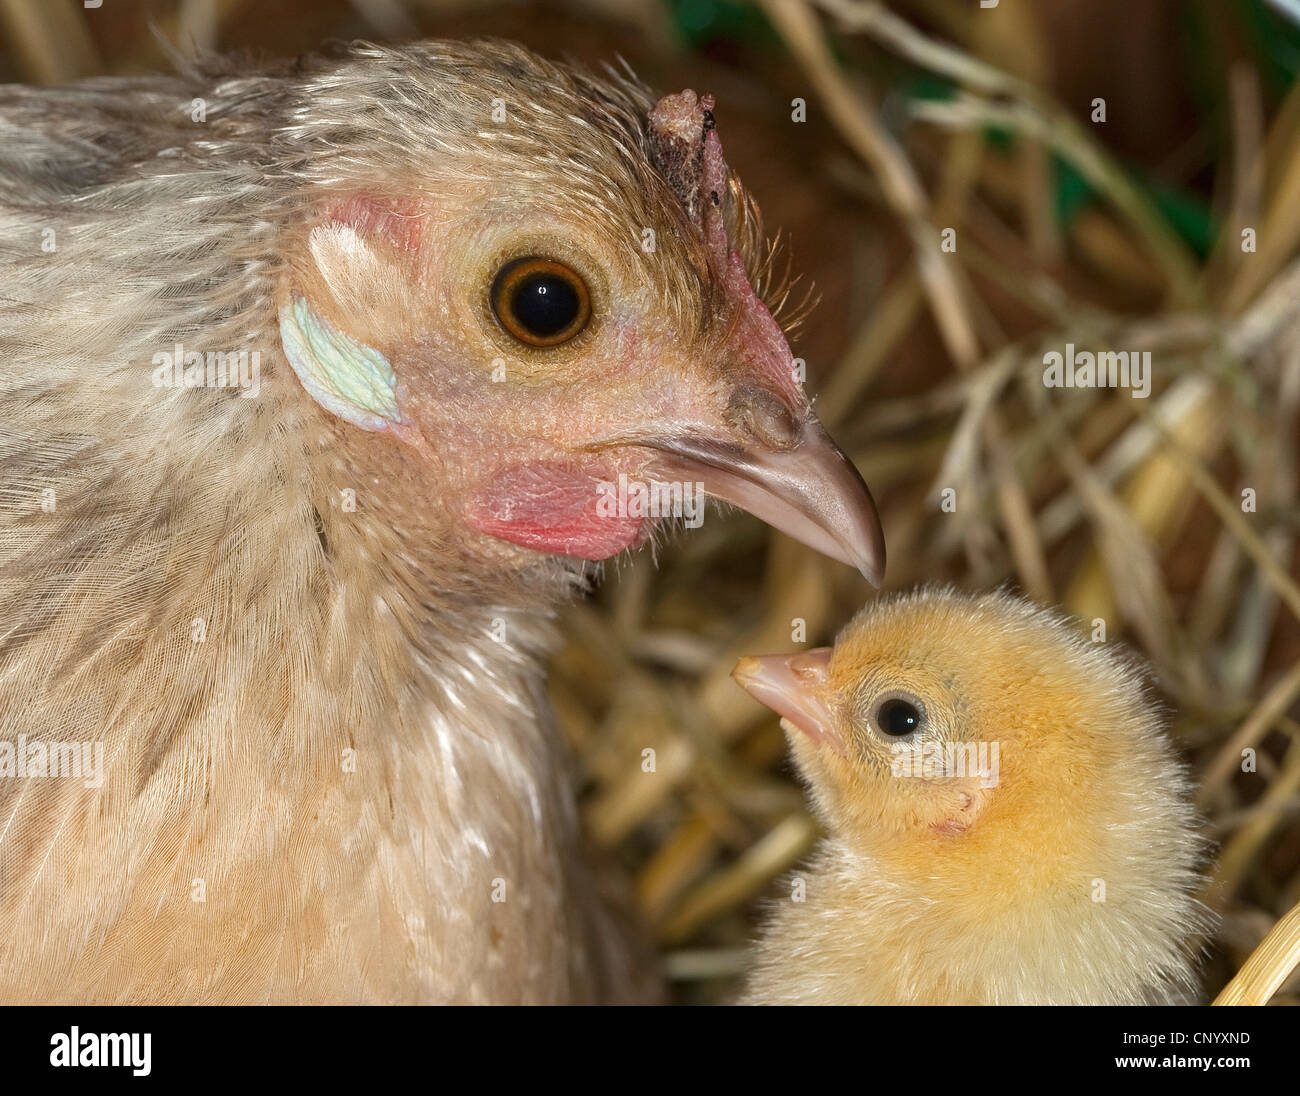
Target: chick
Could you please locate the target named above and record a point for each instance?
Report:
(1006, 820)
(319, 385)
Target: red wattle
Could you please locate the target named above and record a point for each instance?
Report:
(552, 507)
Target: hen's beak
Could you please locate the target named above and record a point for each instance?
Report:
(808, 489)
(793, 686)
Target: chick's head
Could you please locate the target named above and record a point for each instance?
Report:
(515, 286)
(981, 744)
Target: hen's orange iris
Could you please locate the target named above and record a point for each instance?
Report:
(539, 301)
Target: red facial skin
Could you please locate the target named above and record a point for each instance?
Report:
(552, 507)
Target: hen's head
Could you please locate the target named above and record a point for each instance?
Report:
(520, 291)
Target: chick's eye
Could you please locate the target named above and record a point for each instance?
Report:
(897, 717)
(540, 302)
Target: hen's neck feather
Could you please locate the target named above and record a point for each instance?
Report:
(326, 635)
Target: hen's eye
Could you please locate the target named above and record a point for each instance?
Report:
(897, 717)
(540, 302)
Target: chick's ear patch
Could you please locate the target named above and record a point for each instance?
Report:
(961, 804)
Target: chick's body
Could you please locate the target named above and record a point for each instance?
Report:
(1006, 820)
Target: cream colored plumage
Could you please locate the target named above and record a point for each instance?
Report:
(309, 646)
(1050, 858)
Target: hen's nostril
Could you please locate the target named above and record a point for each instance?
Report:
(763, 416)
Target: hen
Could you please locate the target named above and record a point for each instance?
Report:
(1007, 822)
(319, 384)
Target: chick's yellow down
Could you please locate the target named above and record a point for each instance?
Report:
(1006, 820)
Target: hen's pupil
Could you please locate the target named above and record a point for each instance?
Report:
(544, 304)
(898, 717)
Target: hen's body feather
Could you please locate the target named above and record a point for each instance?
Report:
(328, 772)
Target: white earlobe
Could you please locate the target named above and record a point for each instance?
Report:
(352, 381)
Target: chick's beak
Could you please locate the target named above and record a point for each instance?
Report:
(803, 485)
(793, 686)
